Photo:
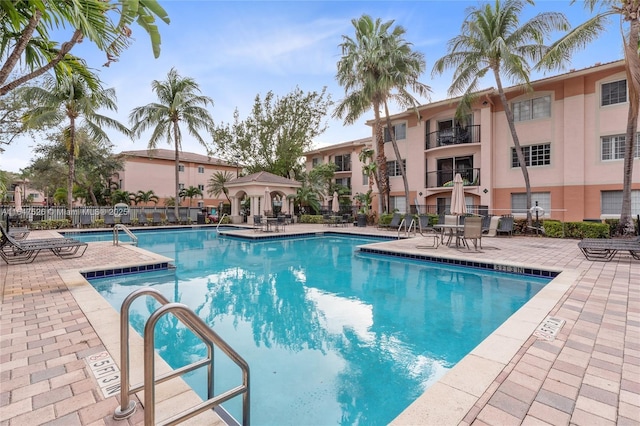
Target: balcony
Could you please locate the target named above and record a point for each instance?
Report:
(444, 178)
(453, 136)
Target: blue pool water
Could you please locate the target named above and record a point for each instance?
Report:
(332, 336)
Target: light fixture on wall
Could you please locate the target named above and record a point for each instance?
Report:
(485, 190)
(485, 103)
(420, 194)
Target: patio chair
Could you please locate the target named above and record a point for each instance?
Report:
(394, 224)
(109, 220)
(506, 225)
(486, 222)
(125, 219)
(603, 250)
(346, 219)
(14, 252)
(156, 219)
(142, 219)
(472, 231)
(428, 232)
(281, 223)
(258, 223)
(85, 220)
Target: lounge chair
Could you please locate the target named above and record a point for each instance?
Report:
(85, 220)
(472, 231)
(14, 252)
(184, 218)
(156, 219)
(109, 220)
(171, 218)
(19, 233)
(486, 223)
(394, 224)
(603, 250)
(506, 225)
(125, 219)
(142, 219)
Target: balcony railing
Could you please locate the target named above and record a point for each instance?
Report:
(444, 178)
(454, 136)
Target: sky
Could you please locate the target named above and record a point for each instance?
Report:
(236, 50)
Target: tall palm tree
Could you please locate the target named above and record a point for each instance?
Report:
(178, 101)
(146, 197)
(218, 184)
(578, 38)
(73, 100)
(492, 40)
(189, 193)
(377, 67)
(369, 167)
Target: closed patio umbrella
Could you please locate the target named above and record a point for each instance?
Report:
(267, 200)
(458, 206)
(17, 198)
(335, 205)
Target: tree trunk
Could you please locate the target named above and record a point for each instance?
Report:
(177, 144)
(381, 159)
(632, 68)
(20, 46)
(396, 151)
(516, 142)
(64, 49)
(72, 162)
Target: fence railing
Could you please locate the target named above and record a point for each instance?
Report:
(454, 136)
(38, 213)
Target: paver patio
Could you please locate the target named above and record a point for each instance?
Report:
(51, 320)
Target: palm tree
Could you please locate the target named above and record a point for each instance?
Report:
(25, 28)
(491, 40)
(71, 98)
(578, 38)
(122, 196)
(189, 193)
(369, 167)
(306, 197)
(178, 100)
(377, 67)
(146, 197)
(218, 184)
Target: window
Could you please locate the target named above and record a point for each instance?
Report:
(201, 187)
(315, 161)
(534, 155)
(400, 131)
(181, 167)
(346, 182)
(201, 170)
(614, 93)
(398, 203)
(365, 178)
(181, 186)
(200, 204)
(393, 167)
(343, 162)
(611, 202)
(532, 109)
(519, 202)
(613, 147)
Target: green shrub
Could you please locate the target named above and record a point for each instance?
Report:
(311, 218)
(554, 229)
(98, 223)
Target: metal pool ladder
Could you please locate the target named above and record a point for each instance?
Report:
(220, 221)
(116, 239)
(200, 329)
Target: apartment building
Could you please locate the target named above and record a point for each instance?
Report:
(146, 170)
(571, 127)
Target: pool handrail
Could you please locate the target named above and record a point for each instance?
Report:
(119, 226)
(200, 329)
(220, 221)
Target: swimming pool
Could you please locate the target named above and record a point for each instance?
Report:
(331, 335)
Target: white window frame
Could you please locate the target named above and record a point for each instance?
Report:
(400, 134)
(542, 150)
(181, 167)
(611, 203)
(181, 186)
(398, 202)
(612, 147)
(201, 169)
(519, 203)
(396, 167)
(609, 101)
(532, 109)
(201, 187)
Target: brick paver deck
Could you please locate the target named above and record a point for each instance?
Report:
(590, 374)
